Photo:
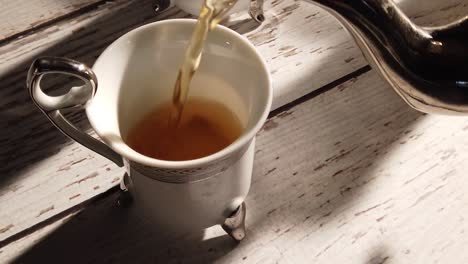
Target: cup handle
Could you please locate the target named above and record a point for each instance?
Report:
(76, 98)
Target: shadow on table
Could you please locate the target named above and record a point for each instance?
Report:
(378, 255)
(342, 166)
(105, 233)
(26, 136)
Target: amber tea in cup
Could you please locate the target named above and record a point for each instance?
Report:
(205, 128)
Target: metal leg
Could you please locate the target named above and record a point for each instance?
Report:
(125, 199)
(256, 10)
(235, 224)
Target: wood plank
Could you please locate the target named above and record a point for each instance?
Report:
(46, 174)
(18, 17)
(38, 160)
(351, 176)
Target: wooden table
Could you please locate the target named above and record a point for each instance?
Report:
(345, 172)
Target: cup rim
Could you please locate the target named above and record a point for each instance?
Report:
(127, 152)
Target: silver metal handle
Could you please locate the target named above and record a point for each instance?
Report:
(78, 97)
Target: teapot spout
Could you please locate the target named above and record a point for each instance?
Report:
(427, 67)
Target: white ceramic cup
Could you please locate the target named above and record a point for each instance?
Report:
(136, 73)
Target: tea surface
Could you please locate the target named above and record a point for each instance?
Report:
(205, 127)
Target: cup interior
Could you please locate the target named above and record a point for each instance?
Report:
(137, 73)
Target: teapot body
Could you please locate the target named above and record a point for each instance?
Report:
(427, 67)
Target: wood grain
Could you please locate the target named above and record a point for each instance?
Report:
(45, 173)
(21, 17)
(37, 159)
(351, 176)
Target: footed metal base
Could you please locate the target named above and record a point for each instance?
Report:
(256, 10)
(125, 199)
(235, 224)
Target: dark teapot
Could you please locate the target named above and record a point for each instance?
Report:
(426, 66)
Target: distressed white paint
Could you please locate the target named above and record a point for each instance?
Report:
(20, 16)
(351, 176)
(63, 174)
(48, 174)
